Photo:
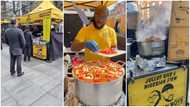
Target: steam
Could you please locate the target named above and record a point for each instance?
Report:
(157, 25)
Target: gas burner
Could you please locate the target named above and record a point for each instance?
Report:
(121, 101)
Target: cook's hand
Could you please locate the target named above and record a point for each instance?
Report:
(92, 45)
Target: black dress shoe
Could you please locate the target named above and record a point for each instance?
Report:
(12, 73)
(20, 74)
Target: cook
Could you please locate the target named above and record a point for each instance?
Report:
(96, 36)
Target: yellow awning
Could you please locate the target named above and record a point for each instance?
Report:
(68, 4)
(4, 21)
(46, 8)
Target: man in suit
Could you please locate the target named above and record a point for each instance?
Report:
(15, 39)
(28, 46)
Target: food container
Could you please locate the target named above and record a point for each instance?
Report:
(151, 49)
(107, 93)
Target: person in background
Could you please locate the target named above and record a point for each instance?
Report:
(28, 46)
(1, 42)
(96, 36)
(14, 37)
(1, 45)
(51, 51)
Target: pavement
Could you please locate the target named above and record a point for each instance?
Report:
(41, 85)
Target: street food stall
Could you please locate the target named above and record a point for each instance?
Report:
(92, 82)
(5, 21)
(4, 25)
(44, 17)
(159, 70)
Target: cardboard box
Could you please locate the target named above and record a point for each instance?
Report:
(180, 14)
(181, 3)
(178, 45)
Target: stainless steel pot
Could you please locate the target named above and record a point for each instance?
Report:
(99, 94)
(154, 48)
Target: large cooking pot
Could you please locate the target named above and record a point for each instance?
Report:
(99, 94)
(151, 49)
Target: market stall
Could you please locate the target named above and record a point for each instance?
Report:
(158, 71)
(4, 21)
(91, 82)
(43, 18)
(4, 25)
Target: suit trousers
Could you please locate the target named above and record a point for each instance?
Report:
(13, 60)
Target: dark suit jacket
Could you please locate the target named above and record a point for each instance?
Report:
(28, 38)
(15, 39)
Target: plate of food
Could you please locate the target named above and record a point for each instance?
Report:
(110, 52)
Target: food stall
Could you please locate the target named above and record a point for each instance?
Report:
(159, 71)
(4, 25)
(44, 16)
(5, 21)
(87, 82)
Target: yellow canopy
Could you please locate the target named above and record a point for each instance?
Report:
(68, 4)
(46, 8)
(4, 21)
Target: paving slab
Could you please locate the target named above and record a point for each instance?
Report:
(4, 94)
(41, 80)
(29, 95)
(57, 91)
(50, 85)
(48, 70)
(16, 84)
(47, 100)
(38, 86)
(9, 102)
